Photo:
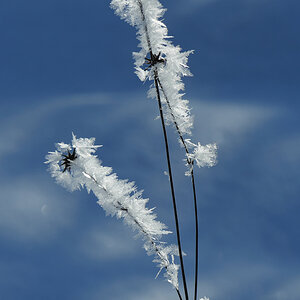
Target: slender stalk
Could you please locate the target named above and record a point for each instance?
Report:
(179, 295)
(191, 166)
(167, 153)
(171, 184)
(196, 235)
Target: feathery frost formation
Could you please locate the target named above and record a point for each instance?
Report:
(146, 16)
(204, 156)
(168, 64)
(76, 166)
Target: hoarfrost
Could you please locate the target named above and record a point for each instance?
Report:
(117, 197)
(203, 155)
(152, 33)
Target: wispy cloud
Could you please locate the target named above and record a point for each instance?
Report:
(225, 122)
(134, 288)
(16, 128)
(219, 284)
(32, 211)
(192, 6)
(213, 120)
(287, 290)
(115, 243)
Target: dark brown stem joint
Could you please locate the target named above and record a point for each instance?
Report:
(153, 60)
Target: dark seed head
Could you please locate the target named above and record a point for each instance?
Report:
(153, 60)
(67, 159)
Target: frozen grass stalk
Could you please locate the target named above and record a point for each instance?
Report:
(76, 166)
(166, 66)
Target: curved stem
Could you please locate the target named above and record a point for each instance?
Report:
(191, 166)
(171, 184)
(156, 80)
(196, 235)
(179, 295)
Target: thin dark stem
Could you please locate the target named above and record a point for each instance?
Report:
(168, 156)
(145, 26)
(191, 166)
(171, 184)
(196, 235)
(179, 295)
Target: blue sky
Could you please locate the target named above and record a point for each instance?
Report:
(66, 66)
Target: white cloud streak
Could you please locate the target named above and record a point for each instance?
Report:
(111, 244)
(288, 290)
(31, 211)
(16, 128)
(227, 122)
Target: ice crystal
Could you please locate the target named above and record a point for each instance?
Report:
(152, 33)
(117, 197)
(203, 155)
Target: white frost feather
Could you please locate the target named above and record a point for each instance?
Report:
(117, 197)
(152, 33)
(203, 155)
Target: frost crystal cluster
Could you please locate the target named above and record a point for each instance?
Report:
(152, 34)
(167, 69)
(118, 198)
(204, 156)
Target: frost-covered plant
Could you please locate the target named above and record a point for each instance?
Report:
(76, 166)
(204, 156)
(146, 16)
(166, 64)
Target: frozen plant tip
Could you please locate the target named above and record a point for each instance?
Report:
(117, 197)
(153, 60)
(167, 63)
(67, 159)
(204, 156)
(152, 33)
